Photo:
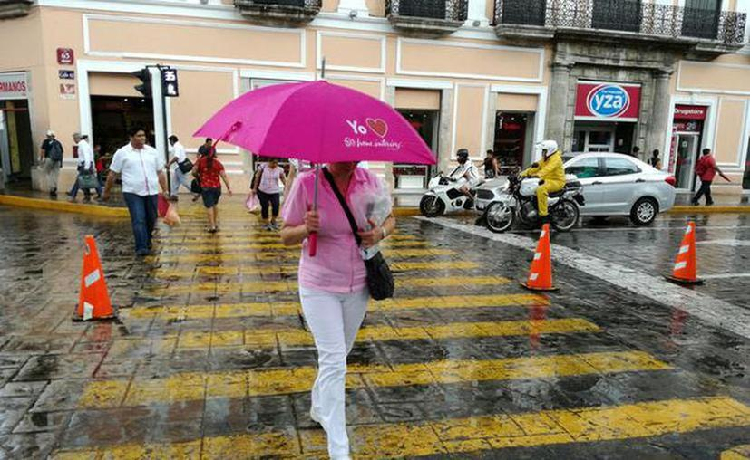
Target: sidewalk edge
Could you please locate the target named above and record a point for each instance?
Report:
(51, 205)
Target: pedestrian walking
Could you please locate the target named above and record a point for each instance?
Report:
(51, 160)
(491, 165)
(654, 160)
(206, 148)
(141, 168)
(706, 170)
(180, 166)
(636, 152)
(332, 285)
(208, 169)
(266, 186)
(86, 178)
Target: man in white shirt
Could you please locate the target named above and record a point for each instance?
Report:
(141, 168)
(85, 168)
(177, 157)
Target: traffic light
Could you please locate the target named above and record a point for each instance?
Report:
(145, 87)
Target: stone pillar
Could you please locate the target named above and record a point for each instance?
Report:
(657, 131)
(446, 130)
(558, 103)
(357, 7)
(478, 13)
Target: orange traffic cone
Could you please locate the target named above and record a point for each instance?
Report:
(685, 264)
(540, 277)
(94, 302)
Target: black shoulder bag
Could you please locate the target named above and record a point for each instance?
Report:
(379, 277)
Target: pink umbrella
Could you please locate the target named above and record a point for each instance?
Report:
(319, 122)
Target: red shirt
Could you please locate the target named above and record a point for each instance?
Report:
(209, 177)
(706, 168)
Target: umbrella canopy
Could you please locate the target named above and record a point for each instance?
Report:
(319, 122)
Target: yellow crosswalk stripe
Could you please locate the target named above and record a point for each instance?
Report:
(287, 286)
(241, 235)
(254, 256)
(270, 247)
(273, 309)
(736, 453)
(259, 339)
(292, 269)
(192, 386)
(460, 435)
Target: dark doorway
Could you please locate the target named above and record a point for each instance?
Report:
(510, 143)
(415, 177)
(17, 143)
(113, 116)
(624, 135)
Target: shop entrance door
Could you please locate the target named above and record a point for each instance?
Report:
(594, 139)
(112, 118)
(410, 177)
(16, 145)
(687, 152)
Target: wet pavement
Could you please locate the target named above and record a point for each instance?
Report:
(211, 359)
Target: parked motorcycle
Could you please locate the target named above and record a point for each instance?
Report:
(444, 197)
(515, 202)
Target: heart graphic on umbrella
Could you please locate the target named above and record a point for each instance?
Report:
(378, 126)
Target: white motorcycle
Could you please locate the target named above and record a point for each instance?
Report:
(515, 201)
(445, 197)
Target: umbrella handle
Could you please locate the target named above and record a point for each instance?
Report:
(312, 244)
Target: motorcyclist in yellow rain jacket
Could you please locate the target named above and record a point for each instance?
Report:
(551, 172)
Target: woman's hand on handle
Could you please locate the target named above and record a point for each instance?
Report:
(312, 222)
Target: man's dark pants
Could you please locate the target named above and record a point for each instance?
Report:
(143, 214)
(705, 189)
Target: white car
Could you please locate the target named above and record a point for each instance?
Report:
(620, 185)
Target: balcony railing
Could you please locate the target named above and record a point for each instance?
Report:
(14, 8)
(427, 17)
(635, 16)
(275, 12)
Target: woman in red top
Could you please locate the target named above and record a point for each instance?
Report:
(209, 169)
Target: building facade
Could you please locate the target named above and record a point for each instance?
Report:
(672, 75)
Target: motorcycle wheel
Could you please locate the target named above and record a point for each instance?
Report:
(431, 206)
(565, 215)
(499, 217)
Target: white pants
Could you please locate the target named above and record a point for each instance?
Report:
(178, 178)
(334, 320)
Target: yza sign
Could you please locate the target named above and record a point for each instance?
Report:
(607, 101)
(361, 134)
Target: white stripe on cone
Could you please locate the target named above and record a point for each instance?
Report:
(537, 256)
(680, 265)
(534, 276)
(684, 249)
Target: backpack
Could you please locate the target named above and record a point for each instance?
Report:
(56, 151)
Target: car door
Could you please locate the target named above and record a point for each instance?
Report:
(620, 183)
(588, 170)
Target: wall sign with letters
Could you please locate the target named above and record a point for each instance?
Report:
(607, 101)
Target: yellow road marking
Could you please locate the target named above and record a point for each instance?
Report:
(191, 386)
(292, 269)
(270, 247)
(242, 235)
(254, 256)
(254, 338)
(291, 286)
(239, 310)
(460, 435)
(736, 453)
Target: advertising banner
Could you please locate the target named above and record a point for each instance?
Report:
(607, 101)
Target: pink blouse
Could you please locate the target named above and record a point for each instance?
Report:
(338, 265)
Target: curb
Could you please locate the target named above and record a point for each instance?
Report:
(62, 206)
(709, 210)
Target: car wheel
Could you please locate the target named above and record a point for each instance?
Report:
(431, 206)
(644, 211)
(499, 217)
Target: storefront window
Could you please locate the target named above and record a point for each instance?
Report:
(510, 139)
(409, 176)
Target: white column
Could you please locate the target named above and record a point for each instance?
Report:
(478, 13)
(351, 7)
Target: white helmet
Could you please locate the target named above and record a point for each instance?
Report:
(549, 145)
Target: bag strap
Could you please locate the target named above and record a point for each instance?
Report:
(342, 202)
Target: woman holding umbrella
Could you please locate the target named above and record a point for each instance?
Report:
(332, 285)
(332, 211)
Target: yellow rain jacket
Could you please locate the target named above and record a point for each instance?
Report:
(551, 170)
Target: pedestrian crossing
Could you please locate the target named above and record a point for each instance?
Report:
(487, 308)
